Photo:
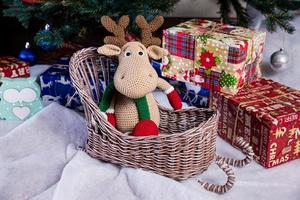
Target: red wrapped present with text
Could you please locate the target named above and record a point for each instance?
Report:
(215, 56)
(266, 114)
(12, 67)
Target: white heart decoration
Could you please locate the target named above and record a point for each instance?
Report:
(21, 112)
(12, 95)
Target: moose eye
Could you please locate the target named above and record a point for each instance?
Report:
(127, 53)
(141, 53)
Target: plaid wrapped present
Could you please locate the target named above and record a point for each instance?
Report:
(12, 67)
(216, 56)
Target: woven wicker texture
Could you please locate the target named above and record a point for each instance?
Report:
(186, 144)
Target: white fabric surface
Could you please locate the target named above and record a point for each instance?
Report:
(33, 155)
(39, 161)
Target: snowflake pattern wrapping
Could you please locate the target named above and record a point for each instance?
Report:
(56, 86)
(193, 95)
(216, 56)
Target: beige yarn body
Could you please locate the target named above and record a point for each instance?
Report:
(127, 115)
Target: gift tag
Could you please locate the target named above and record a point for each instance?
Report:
(19, 98)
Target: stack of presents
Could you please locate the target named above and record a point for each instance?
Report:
(214, 65)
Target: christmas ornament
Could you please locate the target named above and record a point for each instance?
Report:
(48, 39)
(279, 60)
(27, 55)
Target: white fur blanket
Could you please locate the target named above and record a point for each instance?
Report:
(39, 161)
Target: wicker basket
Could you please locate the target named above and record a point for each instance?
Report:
(186, 144)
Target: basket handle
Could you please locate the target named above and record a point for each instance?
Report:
(245, 148)
(220, 189)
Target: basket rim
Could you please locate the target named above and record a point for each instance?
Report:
(188, 133)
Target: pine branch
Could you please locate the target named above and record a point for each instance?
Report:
(281, 20)
(241, 13)
(70, 17)
(276, 13)
(288, 5)
(224, 10)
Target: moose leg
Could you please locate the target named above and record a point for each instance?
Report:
(110, 112)
(145, 127)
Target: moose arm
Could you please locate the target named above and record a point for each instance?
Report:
(171, 93)
(106, 104)
(107, 97)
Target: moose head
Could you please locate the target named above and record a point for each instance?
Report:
(135, 76)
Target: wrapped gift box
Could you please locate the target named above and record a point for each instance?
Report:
(216, 56)
(266, 114)
(56, 83)
(193, 95)
(12, 67)
(56, 86)
(157, 65)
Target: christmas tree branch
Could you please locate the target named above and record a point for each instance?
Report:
(277, 12)
(224, 10)
(241, 13)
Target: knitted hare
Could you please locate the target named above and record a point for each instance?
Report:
(128, 102)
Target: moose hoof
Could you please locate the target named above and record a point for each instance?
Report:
(145, 128)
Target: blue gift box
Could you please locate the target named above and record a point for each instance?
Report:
(56, 83)
(56, 86)
(193, 95)
(157, 66)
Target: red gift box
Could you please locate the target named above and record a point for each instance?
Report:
(12, 67)
(266, 114)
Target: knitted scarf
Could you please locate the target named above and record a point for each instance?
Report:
(141, 103)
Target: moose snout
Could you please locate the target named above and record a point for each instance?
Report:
(135, 84)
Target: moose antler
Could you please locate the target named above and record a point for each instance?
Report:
(148, 28)
(117, 29)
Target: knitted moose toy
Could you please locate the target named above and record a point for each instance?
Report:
(128, 102)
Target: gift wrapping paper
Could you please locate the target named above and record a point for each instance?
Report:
(56, 86)
(266, 114)
(196, 96)
(12, 67)
(216, 56)
(56, 83)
